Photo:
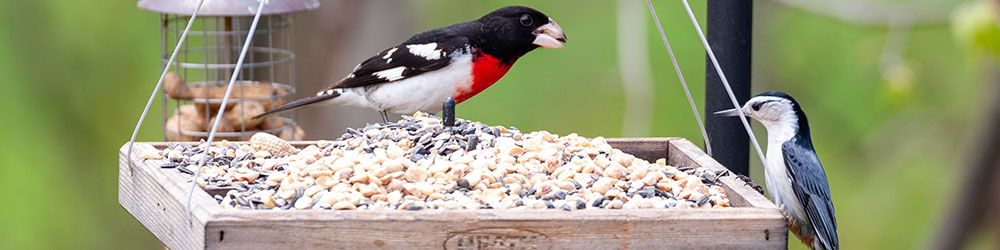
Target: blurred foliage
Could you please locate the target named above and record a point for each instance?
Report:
(976, 24)
(76, 75)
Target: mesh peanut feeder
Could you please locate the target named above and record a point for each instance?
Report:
(195, 87)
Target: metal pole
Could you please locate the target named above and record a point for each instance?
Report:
(729, 33)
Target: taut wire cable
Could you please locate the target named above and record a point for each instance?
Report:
(225, 100)
(159, 83)
(677, 67)
(725, 83)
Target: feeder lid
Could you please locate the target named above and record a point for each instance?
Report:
(227, 7)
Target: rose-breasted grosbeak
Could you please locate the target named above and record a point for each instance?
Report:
(457, 61)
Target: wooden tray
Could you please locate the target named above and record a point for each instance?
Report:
(156, 197)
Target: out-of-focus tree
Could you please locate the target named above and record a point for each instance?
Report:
(975, 24)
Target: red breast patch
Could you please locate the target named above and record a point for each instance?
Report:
(486, 70)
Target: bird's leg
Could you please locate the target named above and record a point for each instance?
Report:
(385, 117)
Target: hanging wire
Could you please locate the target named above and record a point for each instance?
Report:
(725, 83)
(225, 100)
(159, 83)
(673, 59)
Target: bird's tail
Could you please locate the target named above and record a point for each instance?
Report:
(301, 102)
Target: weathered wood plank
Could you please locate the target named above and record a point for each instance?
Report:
(157, 199)
(735, 228)
(685, 153)
(648, 149)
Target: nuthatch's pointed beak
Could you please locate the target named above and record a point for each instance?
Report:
(549, 35)
(728, 112)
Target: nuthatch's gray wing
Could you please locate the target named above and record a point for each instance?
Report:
(811, 187)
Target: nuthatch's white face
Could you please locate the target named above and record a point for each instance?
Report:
(769, 110)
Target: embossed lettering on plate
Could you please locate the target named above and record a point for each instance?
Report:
(497, 238)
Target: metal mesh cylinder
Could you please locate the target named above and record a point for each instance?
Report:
(205, 64)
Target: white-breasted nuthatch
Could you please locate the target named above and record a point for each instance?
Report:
(795, 178)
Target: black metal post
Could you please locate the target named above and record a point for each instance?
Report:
(729, 34)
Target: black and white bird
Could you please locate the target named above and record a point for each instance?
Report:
(457, 61)
(795, 178)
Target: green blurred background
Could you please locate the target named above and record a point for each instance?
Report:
(892, 125)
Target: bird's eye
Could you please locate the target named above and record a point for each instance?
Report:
(526, 20)
(756, 106)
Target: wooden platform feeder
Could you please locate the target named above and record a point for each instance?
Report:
(156, 197)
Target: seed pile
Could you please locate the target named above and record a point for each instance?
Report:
(417, 163)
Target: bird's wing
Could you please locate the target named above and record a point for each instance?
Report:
(411, 58)
(811, 188)
(424, 52)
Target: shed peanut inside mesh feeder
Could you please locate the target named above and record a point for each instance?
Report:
(196, 84)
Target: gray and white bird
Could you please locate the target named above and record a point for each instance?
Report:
(795, 178)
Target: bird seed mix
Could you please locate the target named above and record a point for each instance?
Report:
(417, 163)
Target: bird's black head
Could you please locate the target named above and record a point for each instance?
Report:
(512, 31)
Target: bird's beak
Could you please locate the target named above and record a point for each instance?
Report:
(728, 112)
(549, 35)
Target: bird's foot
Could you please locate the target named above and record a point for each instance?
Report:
(788, 216)
(747, 181)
